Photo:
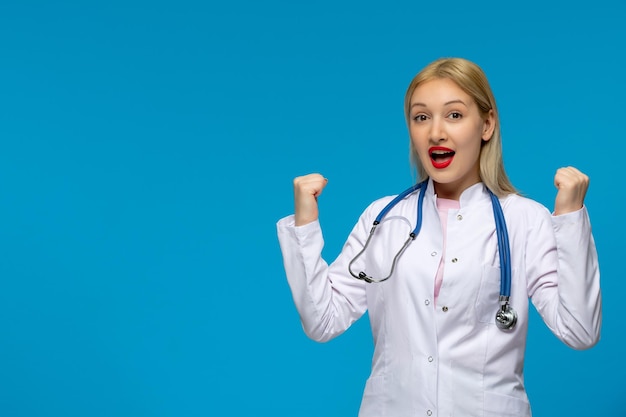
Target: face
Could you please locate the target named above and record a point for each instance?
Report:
(447, 131)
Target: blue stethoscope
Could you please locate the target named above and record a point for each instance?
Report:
(506, 317)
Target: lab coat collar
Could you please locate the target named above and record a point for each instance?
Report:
(476, 194)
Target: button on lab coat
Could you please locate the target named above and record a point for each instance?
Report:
(448, 358)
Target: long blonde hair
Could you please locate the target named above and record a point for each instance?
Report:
(471, 79)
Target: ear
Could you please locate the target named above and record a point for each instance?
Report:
(489, 126)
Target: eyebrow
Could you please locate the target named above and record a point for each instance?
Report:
(445, 104)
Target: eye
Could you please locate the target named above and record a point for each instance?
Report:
(455, 115)
(420, 117)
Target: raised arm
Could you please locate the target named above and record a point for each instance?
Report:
(327, 298)
(567, 295)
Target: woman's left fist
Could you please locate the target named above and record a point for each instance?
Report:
(572, 187)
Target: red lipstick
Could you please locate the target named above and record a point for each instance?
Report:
(440, 156)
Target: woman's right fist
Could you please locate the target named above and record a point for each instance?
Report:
(306, 189)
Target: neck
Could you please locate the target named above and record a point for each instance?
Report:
(452, 191)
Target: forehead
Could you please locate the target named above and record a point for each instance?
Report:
(440, 91)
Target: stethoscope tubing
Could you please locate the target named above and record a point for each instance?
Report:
(506, 318)
(420, 203)
(401, 196)
(503, 247)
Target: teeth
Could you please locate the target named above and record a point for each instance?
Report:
(442, 153)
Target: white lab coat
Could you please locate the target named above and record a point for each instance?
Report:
(448, 359)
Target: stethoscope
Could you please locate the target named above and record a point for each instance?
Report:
(506, 317)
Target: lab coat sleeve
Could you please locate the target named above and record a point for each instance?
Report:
(328, 298)
(567, 294)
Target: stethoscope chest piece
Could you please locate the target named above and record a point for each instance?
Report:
(506, 317)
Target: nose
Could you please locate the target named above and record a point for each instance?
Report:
(437, 130)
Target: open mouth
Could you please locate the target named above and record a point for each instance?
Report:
(441, 157)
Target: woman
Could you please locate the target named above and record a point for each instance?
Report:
(438, 349)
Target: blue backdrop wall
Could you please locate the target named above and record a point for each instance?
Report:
(147, 150)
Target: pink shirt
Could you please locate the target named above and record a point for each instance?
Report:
(443, 206)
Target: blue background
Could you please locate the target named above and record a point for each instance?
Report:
(147, 150)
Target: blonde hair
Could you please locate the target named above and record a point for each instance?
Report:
(471, 79)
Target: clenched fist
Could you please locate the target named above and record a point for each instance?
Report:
(572, 186)
(306, 189)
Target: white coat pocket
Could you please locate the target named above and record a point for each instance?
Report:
(487, 301)
(498, 405)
